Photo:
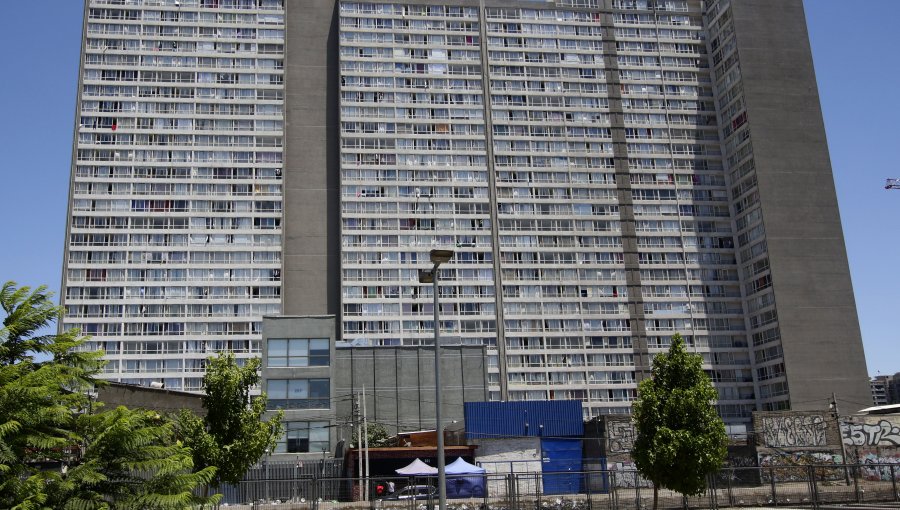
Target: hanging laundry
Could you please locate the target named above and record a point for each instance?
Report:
(115, 124)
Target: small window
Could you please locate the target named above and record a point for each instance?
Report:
(303, 437)
(298, 352)
(298, 393)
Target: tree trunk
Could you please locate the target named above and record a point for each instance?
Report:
(655, 496)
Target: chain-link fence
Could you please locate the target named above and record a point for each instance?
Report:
(810, 485)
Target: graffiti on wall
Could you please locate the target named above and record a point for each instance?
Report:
(740, 461)
(883, 433)
(792, 467)
(881, 467)
(621, 436)
(796, 431)
(625, 475)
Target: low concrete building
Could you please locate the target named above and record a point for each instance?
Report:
(322, 385)
(297, 377)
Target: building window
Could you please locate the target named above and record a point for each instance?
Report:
(303, 437)
(299, 393)
(298, 352)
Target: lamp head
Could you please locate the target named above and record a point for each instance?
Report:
(440, 256)
(426, 276)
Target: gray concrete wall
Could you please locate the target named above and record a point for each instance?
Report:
(311, 221)
(166, 401)
(508, 455)
(399, 384)
(781, 431)
(811, 278)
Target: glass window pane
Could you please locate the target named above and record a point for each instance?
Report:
(299, 348)
(297, 444)
(318, 353)
(319, 388)
(300, 432)
(298, 389)
(318, 361)
(318, 431)
(277, 347)
(277, 389)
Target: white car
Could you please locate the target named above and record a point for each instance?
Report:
(413, 492)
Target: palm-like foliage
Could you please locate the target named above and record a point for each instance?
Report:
(121, 459)
(132, 461)
(37, 398)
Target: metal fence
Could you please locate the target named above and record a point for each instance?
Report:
(798, 485)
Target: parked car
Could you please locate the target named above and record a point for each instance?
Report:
(413, 492)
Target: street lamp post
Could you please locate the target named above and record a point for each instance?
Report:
(438, 257)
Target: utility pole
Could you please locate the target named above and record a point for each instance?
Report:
(837, 420)
(366, 439)
(358, 423)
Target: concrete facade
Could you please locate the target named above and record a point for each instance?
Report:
(312, 166)
(879, 387)
(301, 412)
(398, 383)
(885, 389)
(802, 238)
(608, 172)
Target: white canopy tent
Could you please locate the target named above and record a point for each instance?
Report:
(417, 468)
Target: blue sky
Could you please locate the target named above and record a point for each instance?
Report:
(856, 63)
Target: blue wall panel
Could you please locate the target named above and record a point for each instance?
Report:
(562, 467)
(537, 418)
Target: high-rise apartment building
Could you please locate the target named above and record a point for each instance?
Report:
(173, 248)
(879, 385)
(885, 389)
(608, 173)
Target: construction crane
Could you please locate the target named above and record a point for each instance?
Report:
(892, 184)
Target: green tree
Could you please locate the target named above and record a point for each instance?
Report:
(132, 460)
(232, 436)
(375, 433)
(117, 459)
(43, 381)
(680, 437)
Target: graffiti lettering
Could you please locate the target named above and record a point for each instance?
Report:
(740, 462)
(876, 467)
(779, 431)
(625, 475)
(883, 433)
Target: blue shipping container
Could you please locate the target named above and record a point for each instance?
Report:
(562, 466)
(535, 418)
